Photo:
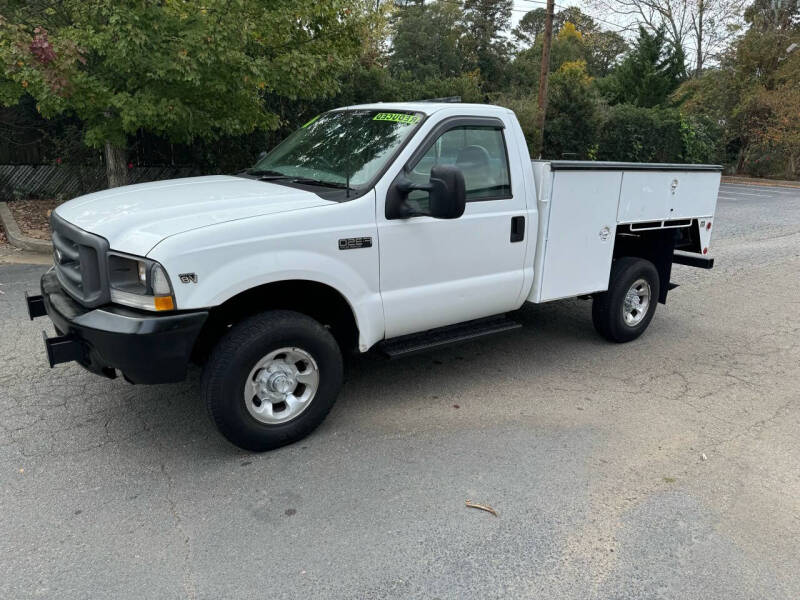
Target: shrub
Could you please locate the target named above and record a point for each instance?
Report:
(635, 134)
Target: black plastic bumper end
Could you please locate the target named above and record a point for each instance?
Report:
(144, 347)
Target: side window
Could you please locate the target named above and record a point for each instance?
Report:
(479, 152)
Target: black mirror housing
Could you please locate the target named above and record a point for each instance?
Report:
(448, 192)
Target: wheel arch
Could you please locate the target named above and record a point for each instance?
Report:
(320, 301)
(656, 246)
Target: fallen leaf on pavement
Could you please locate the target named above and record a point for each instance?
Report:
(488, 509)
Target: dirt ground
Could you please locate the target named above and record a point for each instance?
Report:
(33, 216)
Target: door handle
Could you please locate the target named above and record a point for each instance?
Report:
(517, 229)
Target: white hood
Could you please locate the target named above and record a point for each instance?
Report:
(135, 218)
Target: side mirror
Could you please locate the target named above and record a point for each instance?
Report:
(446, 192)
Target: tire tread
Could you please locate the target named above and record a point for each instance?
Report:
(605, 306)
(222, 360)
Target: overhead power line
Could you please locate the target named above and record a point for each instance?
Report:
(617, 26)
(516, 10)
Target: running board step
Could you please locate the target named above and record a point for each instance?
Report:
(444, 336)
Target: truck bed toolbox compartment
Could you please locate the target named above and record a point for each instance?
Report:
(582, 205)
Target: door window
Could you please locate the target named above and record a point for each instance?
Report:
(479, 152)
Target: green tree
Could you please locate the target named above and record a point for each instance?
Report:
(530, 26)
(650, 72)
(568, 46)
(752, 94)
(603, 49)
(532, 23)
(597, 47)
(426, 39)
(579, 19)
(571, 127)
(486, 46)
(181, 71)
(638, 134)
(770, 15)
(523, 72)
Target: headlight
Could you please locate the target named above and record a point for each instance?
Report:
(139, 282)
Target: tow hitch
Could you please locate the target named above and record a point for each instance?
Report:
(35, 306)
(62, 349)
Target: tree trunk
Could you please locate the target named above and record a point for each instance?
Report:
(116, 168)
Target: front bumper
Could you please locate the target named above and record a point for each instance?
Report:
(146, 348)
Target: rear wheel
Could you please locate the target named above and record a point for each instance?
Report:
(623, 312)
(272, 379)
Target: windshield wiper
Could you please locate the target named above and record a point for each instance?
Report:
(332, 184)
(268, 172)
(305, 180)
(269, 175)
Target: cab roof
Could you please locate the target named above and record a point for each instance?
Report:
(429, 108)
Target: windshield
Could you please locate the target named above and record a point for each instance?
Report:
(338, 143)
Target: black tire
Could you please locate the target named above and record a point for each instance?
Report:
(236, 354)
(607, 308)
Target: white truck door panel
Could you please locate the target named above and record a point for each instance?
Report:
(437, 272)
(580, 233)
(657, 196)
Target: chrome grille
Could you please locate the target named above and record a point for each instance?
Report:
(80, 259)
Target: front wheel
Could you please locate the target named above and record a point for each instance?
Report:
(272, 379)
(623, 312)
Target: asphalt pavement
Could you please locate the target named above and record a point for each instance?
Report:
(662, 468)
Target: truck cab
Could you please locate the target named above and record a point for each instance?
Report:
(398, 226)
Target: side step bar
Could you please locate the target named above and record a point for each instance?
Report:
(444, 336)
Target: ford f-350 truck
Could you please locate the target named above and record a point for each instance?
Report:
(400, 226)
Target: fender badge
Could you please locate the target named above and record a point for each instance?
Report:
(355, 243)
(188, 277)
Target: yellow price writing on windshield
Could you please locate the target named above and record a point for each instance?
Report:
(397, 118)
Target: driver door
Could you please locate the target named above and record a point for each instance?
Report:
(436, 272)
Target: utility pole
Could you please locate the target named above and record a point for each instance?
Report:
(700, 10)
(542, 102)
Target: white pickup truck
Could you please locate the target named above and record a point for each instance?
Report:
(400, 227)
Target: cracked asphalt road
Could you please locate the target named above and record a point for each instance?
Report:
(591, 453)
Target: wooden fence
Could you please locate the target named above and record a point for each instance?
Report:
(68, 181)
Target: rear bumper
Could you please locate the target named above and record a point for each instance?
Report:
(146, 348)
(692, 260)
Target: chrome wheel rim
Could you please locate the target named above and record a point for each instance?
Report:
(281, 385)
(637, 303)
